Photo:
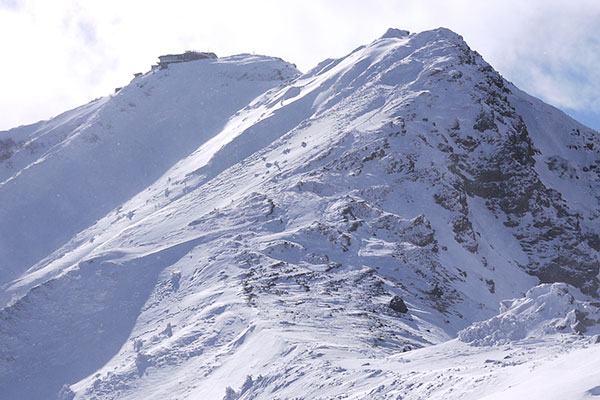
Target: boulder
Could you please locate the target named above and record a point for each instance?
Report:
(397, 304)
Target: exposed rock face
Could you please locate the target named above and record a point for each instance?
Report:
(505, 176)
(398, 305)
(184, 57)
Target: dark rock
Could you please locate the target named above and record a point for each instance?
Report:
(491, 285)
(464, 234)
(436, 292)
(397, 304)
(485, 121)
(66, 393)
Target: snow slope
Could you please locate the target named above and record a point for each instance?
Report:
(260, 260)
(57, 177)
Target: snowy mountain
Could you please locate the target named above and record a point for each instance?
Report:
(60, 176)
(231, 228)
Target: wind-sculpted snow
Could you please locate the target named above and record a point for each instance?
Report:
(545, 310)
(57, 177)
(269, 259)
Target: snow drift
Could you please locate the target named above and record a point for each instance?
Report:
(545, 310)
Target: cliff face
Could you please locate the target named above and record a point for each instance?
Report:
(226, 218)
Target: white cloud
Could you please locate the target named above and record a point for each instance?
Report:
(554, 53)
(64, 53)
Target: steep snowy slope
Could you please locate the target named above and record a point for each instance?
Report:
(57, 177)
(407, 169)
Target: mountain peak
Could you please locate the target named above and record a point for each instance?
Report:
(395, 33)
(441, 32)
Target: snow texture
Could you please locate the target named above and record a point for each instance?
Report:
(231, 228)
(545, 310)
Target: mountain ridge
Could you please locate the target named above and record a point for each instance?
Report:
(408, 168)
(118, 156)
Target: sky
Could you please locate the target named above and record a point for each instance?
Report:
(59, 54)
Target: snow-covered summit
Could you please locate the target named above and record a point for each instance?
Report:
(395, 33)
(240, 219)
